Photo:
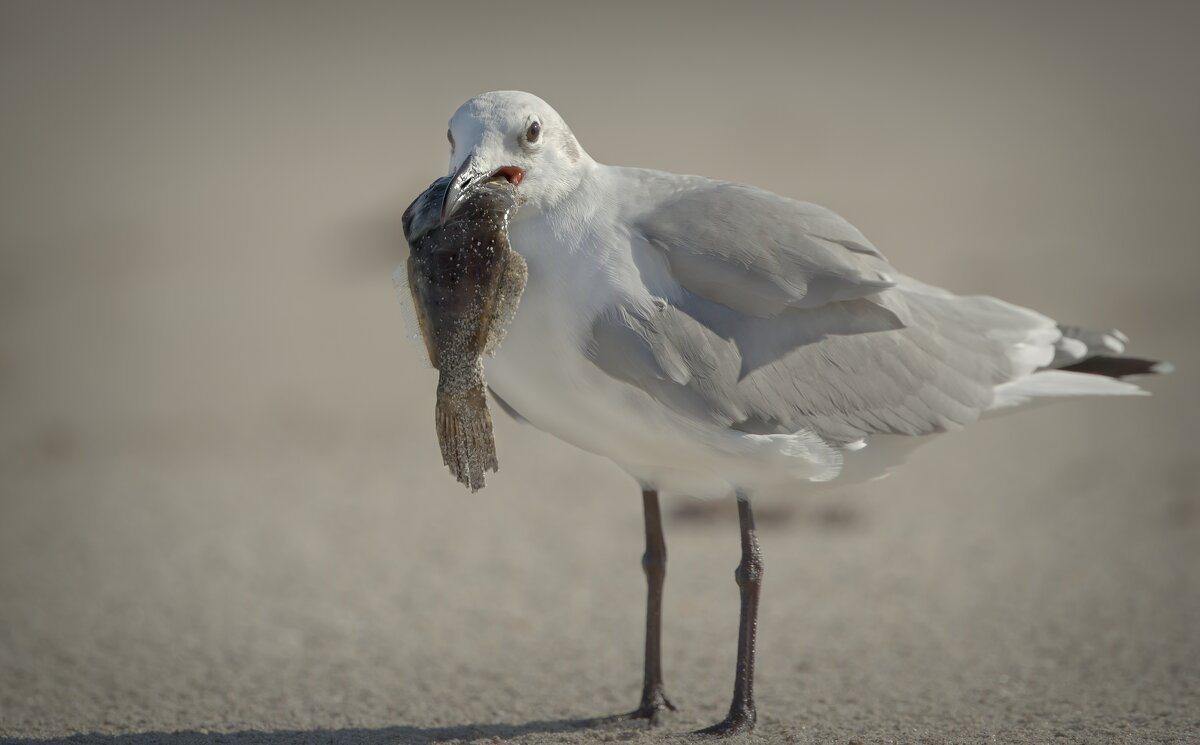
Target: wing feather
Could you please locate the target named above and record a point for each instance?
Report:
(783, 318)
(759, 253)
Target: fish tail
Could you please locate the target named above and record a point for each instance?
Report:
(464, 429)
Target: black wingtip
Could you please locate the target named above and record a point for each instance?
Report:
(1120, 367)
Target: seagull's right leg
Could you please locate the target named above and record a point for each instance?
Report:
(749, 579)
(654, 563)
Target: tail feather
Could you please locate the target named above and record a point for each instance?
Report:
(1097, 352)
(1086, 362)
(1119, 367)
(1050, 385)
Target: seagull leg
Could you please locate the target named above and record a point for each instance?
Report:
(749, 579)
(654, 563)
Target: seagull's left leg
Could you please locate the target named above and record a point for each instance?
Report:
(654, 563)
(749, 579)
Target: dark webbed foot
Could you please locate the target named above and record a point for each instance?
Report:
(654, 704)
(739, 721)
(652, 707)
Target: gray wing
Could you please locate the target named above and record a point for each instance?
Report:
(759, 253)
(769, 330)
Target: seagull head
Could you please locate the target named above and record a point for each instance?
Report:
(517, 137)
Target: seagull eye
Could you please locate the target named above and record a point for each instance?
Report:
(450, 137)
(534, 131)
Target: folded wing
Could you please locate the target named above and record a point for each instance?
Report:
(759, 253)
(783, 318)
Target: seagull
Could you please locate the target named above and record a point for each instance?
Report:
(716, 339)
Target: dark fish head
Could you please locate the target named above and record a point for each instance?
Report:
(425, 212)
(485, 207)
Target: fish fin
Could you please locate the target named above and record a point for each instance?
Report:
(464, 429)
(508, 297)
(413, 309)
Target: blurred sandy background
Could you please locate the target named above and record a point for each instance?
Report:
(222, 508)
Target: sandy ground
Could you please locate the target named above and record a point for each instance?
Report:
(222, 513)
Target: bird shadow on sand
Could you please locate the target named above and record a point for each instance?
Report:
(825, 515)
(394, 735)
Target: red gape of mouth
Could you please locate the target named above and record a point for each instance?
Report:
(511, 174)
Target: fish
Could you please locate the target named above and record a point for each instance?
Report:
(466, 283)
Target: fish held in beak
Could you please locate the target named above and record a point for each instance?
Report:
(466, 282)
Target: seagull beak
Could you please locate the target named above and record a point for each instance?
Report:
(461, 182)
(469, 176)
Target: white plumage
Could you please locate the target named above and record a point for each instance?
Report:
(713, 338)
